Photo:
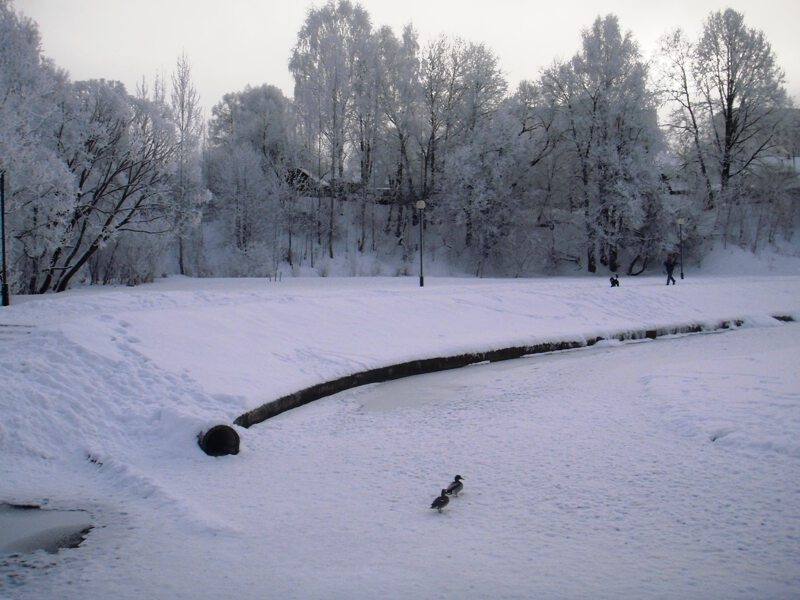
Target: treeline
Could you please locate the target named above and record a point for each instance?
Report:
(590, 166)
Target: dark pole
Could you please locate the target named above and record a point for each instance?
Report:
(421, 206)
(680, 244)
(4, 285)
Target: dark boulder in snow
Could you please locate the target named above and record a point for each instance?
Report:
(219, 441)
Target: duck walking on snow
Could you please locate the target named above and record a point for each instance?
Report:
(440, 502)
(455, 488)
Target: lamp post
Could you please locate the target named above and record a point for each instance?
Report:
(680, 222)
(420, 207)
(4, 286)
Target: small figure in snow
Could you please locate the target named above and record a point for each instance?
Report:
(669, 265)
(614, 279)
(440, 502)
(454, 488)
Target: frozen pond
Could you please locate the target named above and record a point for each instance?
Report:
(663, 469)
(667, 469)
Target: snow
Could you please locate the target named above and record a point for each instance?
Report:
(666, 469)
(736, 261)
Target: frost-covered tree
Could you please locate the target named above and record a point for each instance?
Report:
(332, 47)
(365, 129)
(399, 97)
(461, 84)
(741, 87)
(461, 89)
(496, 206)
(484, 85)
(247, 166)
(87, 163)
(479, 207)
(400, 101)
(441, 72)
(728, 99)
(119, 150)
(685, 125)
(188, 190)
(610, 121)
(38, 183)
(366, 117)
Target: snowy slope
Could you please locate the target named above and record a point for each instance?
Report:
(104, 391)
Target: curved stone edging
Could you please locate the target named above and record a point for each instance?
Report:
(444, 363)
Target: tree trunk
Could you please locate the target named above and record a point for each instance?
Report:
(181, 266)
(632, 266)
(331, 214)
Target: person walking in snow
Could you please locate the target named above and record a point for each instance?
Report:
(669, 265)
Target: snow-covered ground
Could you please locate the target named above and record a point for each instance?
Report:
(664, 469)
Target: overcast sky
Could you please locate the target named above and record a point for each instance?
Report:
(234, 43)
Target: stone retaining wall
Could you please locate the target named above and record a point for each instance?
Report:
(431, 365)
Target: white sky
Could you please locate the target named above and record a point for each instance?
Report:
(234, 43)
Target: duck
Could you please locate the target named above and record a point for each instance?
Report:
(455, 487)
(440, 502)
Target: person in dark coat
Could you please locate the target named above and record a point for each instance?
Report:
(669, 265)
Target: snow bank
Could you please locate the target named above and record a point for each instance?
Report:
(104, 391)
(93, 370)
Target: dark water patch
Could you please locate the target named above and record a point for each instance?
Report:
(26, 528)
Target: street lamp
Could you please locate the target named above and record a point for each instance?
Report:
(420, 207)
(4, 285)
(680, 222)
